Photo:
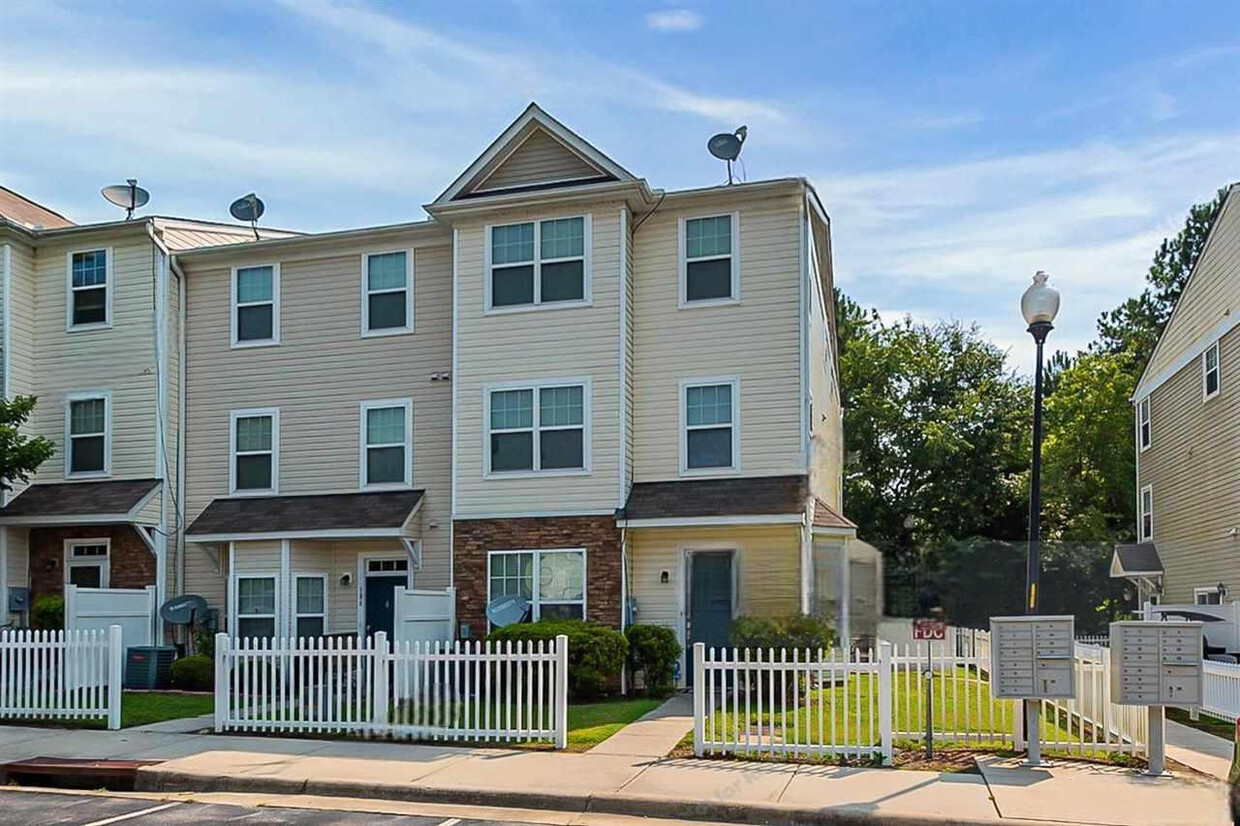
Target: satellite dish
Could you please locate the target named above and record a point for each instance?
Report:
(507, 610)
(128, 196)
(726, 146)
(183, 610)
(248, 208)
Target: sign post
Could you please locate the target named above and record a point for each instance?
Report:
(929, 631)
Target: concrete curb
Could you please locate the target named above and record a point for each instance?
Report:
(616, 803)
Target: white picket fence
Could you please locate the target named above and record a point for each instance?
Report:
(472, 691)
(61, 675)
(1221, 693)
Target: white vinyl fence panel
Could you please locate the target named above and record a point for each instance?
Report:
(101, 608)
(1089, 721)
(424, 616)
(1221, 695)
(61, 675)
(419, 691)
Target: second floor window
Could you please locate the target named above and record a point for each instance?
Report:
(387, 443)
(387, 306)
(255, 459)
(538, 262)
(537, 429)
(256, 306)
(88, 436)
(709, 269)
(1211, 371)
(710, 427)
(1146, 517)
(88, 288)
(1143, 412)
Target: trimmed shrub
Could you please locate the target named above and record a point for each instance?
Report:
(654, 650)
(793, 631)
(204, 643)
(48, 613)
(196, 673)
(596, 653)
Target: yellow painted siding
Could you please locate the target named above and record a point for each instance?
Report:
(540, 159)
(1212, 294)
(1193, 464)
(757, 339)
(318, 376)
(567, 342)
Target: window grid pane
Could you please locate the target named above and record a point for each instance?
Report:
(87, 416)
(310, 597)
(253, 434)
(708, 236)
(709, 405)
(563, 238)
(386, 271)
(560, 407)
(513, 244)
(254, 284)
(385, 426)
(512, 409)
(256, 596)
(90, 269)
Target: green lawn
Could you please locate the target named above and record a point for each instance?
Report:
(591, 723)
(138, 708)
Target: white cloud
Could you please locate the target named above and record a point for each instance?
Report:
(674, 20)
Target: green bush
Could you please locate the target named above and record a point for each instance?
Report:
(796, 631)
(596, 653)
(654, 650)
(48, 613)
(196, 673)
(204, 643)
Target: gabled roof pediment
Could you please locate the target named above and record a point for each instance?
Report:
(536, 151)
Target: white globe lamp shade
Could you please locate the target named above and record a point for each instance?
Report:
(1040, 303)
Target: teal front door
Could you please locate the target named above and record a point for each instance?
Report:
(710, 602)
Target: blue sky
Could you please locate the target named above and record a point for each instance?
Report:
(957, 146)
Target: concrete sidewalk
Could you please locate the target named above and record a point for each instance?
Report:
(714, 790)
(654, 734)
(1198, 749)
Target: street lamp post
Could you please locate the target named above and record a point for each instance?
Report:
(1039, 305)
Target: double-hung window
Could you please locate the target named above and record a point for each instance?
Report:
(256, 606)
(387, 443)
(1143, 422)
(256, 306)
(1145, 519)
(310, 605)
(1208, 596)
(539, 263)
(86, 563)
(255, 451)
(540, 428)
(710, 426)
(709, 260)
(554, 582)
(1211, 372)
(387, 293)
(90, 299)
(87, 435)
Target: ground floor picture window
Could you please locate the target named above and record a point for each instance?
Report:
(87, 564)
(311, 595)
(553, 581)
(256, 606)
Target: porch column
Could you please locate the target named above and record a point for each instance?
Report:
(284, 595)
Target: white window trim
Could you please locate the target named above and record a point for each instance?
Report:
(327, 599)
(1210, 590)
(1141, 514)
(366, 293)
(587, 390)
(685, 384)
(80, 396)
(1218, 371)
(363, 560)
(682, 262)
(234, 614)
(234, 306)
(105, 561)
(535, 602)
(69, 290)
(1145, 422)
(587, 285)
(364, 408)
(233, 415)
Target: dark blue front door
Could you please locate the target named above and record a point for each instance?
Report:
(710, 601)
(381, 602)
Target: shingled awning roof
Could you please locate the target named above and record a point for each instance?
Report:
(703, 501)
(376, 514)
(69, 503)
(1139, 560)
(827, 517)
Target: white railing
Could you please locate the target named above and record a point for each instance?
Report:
(799, 703)
(492, 692)
(61, 675)
(1101, 640)
(1089, 721)
(1221, 693)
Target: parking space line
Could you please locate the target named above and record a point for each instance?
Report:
(132, 815)
(451, 822)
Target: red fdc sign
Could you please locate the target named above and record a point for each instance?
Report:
(929, 629)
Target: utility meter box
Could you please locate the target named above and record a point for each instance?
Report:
(1031, 657)
(1157, 663)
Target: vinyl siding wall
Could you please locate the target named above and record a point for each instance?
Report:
(318, 376)
(757, 339)
(541, 158)
(567, 342)
(826, 425)
(1193, 464)
(21, 302)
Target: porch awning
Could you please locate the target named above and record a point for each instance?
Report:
(85, 503)
(1134, 561)
(828, 520)
(758, 500)
(324, 516)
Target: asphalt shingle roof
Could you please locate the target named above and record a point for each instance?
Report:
(323, 512)
(80, 498)
(746, 496)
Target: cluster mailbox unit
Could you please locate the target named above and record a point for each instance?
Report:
(1031, 657)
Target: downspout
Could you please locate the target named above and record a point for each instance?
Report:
(160, 290)
(183, 287)
(6, 321)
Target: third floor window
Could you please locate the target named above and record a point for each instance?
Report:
(256, 306)
(89, 289)
(709, 263)
(387, 300)
(538, 263)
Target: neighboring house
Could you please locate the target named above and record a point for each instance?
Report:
(1187, 431)
(90, 323)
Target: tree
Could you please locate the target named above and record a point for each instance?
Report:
(20, 455)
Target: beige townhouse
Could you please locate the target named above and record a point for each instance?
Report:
(1187, 432)
(90, 323)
